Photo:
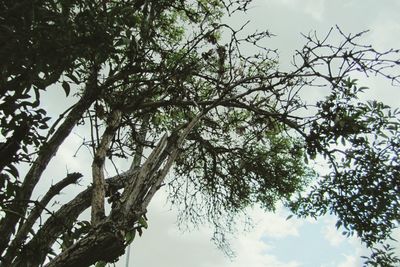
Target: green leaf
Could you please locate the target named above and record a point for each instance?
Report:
(143, 223)
(343, 141)
(130, 236)
(140, 231)
(66, 88)
(24, 96)
(101, 264)
(73, 78)
(12, 170)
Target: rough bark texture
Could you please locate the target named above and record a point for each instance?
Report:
(34, 215)
(46, 153)
(104, 243)
(98, 194)
(62, 220)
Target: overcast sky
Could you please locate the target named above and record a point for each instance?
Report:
(274, 241)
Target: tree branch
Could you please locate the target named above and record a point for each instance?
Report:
(35, 213)
(46, 153)
(62, 220)
(109, 240)
(103, 243)
(98, 194)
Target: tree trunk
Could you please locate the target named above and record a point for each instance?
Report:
(104, 243)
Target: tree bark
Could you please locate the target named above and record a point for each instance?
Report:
(98, 194)
(35, 250)
(106, 240)
(46, 153)
(104, 243)
(34, 215)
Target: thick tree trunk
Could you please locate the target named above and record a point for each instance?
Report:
(35, 250)
(104, 243)
(46, 153)
(23, 231)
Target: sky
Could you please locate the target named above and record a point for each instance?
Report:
(273, 241)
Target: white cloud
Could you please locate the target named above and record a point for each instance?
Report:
(256, 253)
(314, 8)
(275, 225)
(66, 154)
(253, 250)
(396, 245)
(350, 261)
(163, 242)
(351, 258)
(331, 234)
(385, 29)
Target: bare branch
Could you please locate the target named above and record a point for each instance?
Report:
(98, 194)
(46, 153)
(63, 220)
(34, 215)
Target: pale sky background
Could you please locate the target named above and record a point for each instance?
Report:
(274, 241)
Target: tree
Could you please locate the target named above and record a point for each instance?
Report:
(168, 86)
